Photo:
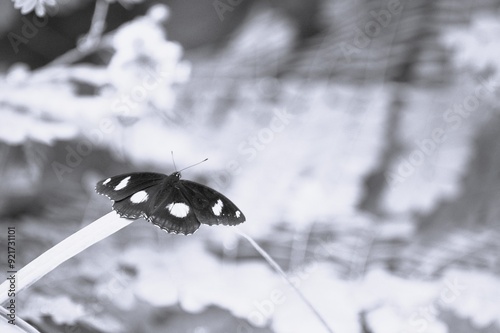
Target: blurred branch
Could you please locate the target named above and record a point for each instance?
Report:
(98, 22)
(89, 43)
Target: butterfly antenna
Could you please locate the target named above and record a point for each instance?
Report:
(173, 161)
(193, 164)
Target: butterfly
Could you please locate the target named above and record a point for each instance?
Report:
(175, 205)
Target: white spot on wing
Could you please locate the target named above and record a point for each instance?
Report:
(238, 214)
(106, 181)
(178, 209)
(217, 208)
(122, 184)
(139, 197)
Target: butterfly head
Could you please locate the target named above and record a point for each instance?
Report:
(174, 177)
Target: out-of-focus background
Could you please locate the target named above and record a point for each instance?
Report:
(360, 139)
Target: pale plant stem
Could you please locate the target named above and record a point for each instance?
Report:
(66, 249)
(277, 267)
(20, 324)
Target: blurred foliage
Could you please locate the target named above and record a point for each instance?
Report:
(308, 120)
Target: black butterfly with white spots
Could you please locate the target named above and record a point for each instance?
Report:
(174, 205)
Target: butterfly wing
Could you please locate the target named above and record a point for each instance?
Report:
(210, 206)
(122, 186)
(173, 212)
(177, 206)
(132, 193)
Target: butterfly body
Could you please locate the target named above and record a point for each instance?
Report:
(174, 205)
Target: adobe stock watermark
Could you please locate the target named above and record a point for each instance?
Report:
(249, 148)
(362, 38)
(30, 29)
(123, 106)
(453, 118)
(221, 7)
(264, 309)
(76, 154)
(420, 320)
(128, 102)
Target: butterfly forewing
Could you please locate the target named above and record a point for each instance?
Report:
(121, 186)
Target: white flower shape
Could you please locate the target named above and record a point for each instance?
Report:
(27, 6)
(146, 65)
(476, 46)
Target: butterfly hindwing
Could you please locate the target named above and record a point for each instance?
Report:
(119, 187)
(139, 204)
(210, 206)
(173, 212)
